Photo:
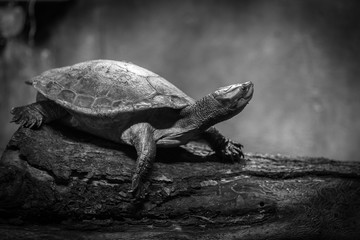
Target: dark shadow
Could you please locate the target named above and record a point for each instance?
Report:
(164, 155)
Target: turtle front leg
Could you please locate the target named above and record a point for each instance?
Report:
(223, 147)
(142, 138)
(35, 114)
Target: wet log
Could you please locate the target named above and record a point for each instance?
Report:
(66, 182)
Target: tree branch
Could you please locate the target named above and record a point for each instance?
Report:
(65, 177)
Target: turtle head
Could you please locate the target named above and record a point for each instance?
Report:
(234, 98)
(220, 105)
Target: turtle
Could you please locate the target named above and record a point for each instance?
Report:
(128, 104)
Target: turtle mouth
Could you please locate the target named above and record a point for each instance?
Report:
(249, 91)
(235, 96)
(244, 95)
(246, 91)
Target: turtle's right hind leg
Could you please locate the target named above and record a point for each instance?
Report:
(35, 114)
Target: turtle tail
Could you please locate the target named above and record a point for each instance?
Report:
(29, 82)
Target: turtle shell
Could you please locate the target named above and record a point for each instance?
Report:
(103, 87)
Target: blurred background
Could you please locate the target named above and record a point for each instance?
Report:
(302, 56)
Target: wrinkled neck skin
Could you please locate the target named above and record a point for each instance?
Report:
(204, 113)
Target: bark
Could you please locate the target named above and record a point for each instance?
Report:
(66, 182)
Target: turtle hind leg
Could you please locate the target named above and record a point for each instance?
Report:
(35, 114)
(27, 116)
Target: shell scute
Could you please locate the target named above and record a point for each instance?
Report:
(102, 102)
(118, 93)
(87, 86)
(67, 95)
(125, 77)
(117, 104)
(134, 90)
(130, 67)
(163, 87)
(84, 101)
(102, 91)
(53, 88)
(67, 80)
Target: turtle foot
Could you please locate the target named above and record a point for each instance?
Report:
(137, 188)
(27, 116)
(232, 151)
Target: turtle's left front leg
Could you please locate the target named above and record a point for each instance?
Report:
(142, 138)
(223, 147)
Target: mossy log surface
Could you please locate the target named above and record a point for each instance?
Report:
(58, 183)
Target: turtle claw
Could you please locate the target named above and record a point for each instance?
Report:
(26, 117)
(232, 151)
(31, 124)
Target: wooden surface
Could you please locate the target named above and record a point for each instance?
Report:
(57, 182)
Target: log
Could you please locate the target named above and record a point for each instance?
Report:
(59, 183)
